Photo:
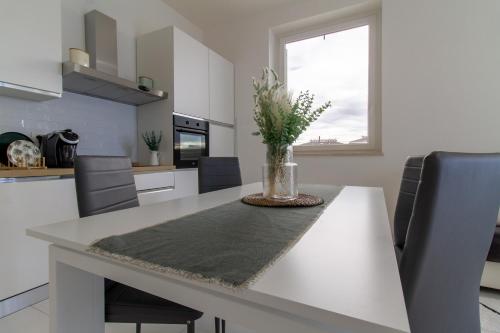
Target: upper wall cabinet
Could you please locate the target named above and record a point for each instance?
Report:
(221, 141)
(221, 74)
(30, 60)
(190, 76)
(199, 83)
(178, 64)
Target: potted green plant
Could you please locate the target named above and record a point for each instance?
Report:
(153, 143)
(280, 121)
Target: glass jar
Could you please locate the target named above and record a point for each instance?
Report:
(279, 174)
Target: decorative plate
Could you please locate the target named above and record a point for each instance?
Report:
(23, 153)
(6, 139)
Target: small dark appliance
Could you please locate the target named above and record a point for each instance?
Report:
(190, 141)
(59, 148)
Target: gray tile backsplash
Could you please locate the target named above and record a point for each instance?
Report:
(105, 127)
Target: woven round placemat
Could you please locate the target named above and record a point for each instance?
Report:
(303, 200)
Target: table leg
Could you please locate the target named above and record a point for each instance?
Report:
(76, 298)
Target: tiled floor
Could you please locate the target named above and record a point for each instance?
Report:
(490, 311)
(35, 319)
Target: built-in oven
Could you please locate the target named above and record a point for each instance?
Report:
(190, 141)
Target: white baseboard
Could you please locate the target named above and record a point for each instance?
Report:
(23, 300)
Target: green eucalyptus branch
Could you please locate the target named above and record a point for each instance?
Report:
(279, 119)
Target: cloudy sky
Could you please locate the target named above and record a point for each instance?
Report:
(334, 67)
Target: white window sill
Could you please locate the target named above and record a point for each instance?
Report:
(331, 151)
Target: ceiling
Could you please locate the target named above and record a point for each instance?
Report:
(206, 13)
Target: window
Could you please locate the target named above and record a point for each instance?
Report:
(339, 63)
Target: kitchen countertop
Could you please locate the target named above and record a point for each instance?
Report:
(13, 173)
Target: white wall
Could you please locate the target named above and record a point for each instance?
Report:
(133, 18)
(440, 83)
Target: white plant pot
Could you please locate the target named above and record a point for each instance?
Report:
(154, 158)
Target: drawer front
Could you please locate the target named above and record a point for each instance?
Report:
(155, 196)
(157, 180)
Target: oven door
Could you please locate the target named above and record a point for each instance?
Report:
(189, 146)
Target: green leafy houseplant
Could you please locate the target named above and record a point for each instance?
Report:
(280, 119)
(152, 140)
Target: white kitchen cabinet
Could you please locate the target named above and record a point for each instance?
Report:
(221, 75)
(178, 64)
(155, 196)
(31, 59)
(191, 92)
(154, 180)
(221, 142)
(23, 259)
(199, 81)
(185, 184)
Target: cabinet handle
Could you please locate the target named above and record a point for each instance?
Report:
(157, 189)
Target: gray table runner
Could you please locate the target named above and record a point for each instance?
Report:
(229, 245)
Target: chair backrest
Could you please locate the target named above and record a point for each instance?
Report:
(218, 173)
(104, 184)
(406, 198)
(448, 238)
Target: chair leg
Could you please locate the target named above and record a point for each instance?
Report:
(190, 326)
(217, 325)
(138, 328)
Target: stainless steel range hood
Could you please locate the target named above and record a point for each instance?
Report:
(101, 79)
(87, 81)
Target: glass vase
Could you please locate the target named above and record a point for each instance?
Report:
(279, 174)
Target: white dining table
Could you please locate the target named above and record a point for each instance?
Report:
(341, 276)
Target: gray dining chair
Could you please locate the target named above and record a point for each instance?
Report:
(406, 199)
(106, 184)
(449, 232)
(218, 173)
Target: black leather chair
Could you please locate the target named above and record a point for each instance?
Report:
(218, 173)
(106, 184)
(406, 199)
(494, 254)
(448, 236)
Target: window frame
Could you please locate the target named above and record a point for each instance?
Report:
(372, 19)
